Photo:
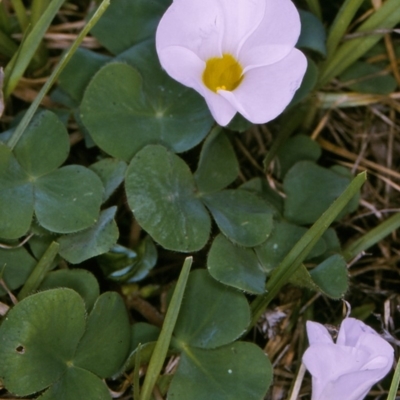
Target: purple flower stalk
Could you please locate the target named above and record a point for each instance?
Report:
(347, 369)
(238, 54)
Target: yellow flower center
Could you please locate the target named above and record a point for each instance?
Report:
(222, 73)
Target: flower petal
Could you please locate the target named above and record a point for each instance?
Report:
(266, 91)
(184, 66)
(196, 25)
(351, 330)
(275, 37)
(317, 333)
(221, 109)
(241, 19)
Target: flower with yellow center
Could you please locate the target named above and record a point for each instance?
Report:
(238, 54)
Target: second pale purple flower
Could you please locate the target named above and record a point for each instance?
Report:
(239, 55)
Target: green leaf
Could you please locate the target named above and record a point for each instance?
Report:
(145, 104)
(331, 276)
(235, 372)
(301, 250)
(15, 267)
(79, 71)
(44, 146)
(269, 195)
(105, 344)
(126, 265)
(161, 193)
(313, 35)
(298, 148)
(16, 197)
(64, 200)
(236, 266)
(142, 333)
(212, 314)
(91, 242)
(310, 189)
(240, 215)
(283, 238)
(218, 165)
(130, 21)
(68, 199)
(75, 384)
(80, 280)
(367, 78)
(39, 337)
(111, 172)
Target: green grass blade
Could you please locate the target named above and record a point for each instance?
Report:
(37, 275)
(53, 77)
(37, 9)
(315, 7)
(162, 345)
(20, 12)
(299, 252)
(372, 237)
(16, 68)
(340, 25)
(369, 33)
(395, 383)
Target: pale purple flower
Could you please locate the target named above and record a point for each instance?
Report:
(238, 54)
(348, 369)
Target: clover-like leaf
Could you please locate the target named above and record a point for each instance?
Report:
(161, 193)
(39, 339)
(108, 329)
(111, 172)
(47, 340)
(131, 22)
(44, 145)
(145, 104)
(295, 149)
(211, 314)
(75, 384)
(64, 200)
(283, 237)
(15, 267)
(313, 34)
(91, 242)
(311, 189)
(241, 215)
(218, 165)
(331, 276)
(80, 280)
(236, 266)
(234, 372)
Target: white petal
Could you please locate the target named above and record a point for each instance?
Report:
(351, 330)
(221, 110)
(241, 19)
(183, 65)
(196, 25)
(266, 91)
(275, 36)
(317, 333)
